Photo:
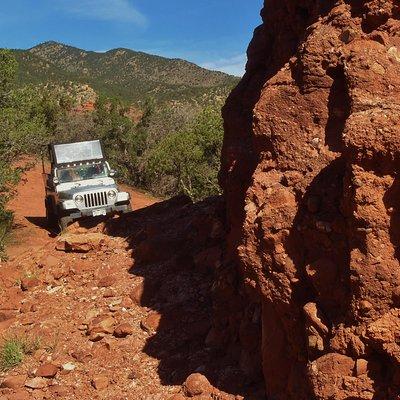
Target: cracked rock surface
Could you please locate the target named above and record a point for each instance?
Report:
(310, 172)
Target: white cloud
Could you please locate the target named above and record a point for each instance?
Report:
(105, 10)
(234, 65)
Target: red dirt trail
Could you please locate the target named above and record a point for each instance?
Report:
(29, 230)
(117, 311)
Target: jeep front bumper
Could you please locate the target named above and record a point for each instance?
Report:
(72, 209)
(108, 210)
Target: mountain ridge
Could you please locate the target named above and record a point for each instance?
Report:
(131, 75)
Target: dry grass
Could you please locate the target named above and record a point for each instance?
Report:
(14, 349)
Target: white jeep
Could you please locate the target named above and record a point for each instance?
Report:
(81, 184)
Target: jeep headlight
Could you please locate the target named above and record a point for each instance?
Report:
(79, 199)
(112, 194)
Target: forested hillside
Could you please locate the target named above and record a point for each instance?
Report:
(165, 148)
(130, 75)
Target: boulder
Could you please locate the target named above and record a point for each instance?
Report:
(196, 384)
(81, 243)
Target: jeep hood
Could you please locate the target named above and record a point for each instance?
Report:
(68, 190)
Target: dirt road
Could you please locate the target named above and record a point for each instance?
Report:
(30, 230)
(119, 311)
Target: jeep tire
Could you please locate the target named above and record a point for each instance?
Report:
(51, 216)
(127, 207)
(63, 222)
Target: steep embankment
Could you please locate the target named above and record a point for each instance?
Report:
(310, 165)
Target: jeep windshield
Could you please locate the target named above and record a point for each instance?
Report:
(82, 172)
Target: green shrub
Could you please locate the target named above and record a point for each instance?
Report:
(14, 350)
(27, 117)
(187, 161)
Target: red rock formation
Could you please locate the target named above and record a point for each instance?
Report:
(310, 165)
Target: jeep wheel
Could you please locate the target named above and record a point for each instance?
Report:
(51, 216)
(127, 208)
(64, 222)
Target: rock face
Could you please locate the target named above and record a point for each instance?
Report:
(310, 161)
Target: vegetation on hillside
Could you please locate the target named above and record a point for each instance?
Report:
(173, 148)
(170, 151)
(129, 75)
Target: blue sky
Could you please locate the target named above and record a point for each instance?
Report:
(212, 33)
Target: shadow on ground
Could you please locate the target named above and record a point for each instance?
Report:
(177, 249)
(42, 223)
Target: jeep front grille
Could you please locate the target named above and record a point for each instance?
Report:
(96, 199)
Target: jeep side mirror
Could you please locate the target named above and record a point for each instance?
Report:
(113, 173)
(56, 181)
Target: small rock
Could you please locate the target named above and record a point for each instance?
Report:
(82, 327)
(196, 384)
(47, 371)
(151, 323)
(91, 314)
(279, 249)
(82, 356)
(378, 68)
(100, 326)
(136, 294)
(29, 283)
(135, 374)
(59, 273)
(361, 367)
(348, 35)
(106, 323)
(96, 335)
(123, 330)
(82, 243)
(100, 382)
(68, 367)
(365, 306)
(13, 382)
(107, 281)
(36, 383)
(40, 354)
(126, 303)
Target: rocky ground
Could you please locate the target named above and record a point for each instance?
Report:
(116, 310)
